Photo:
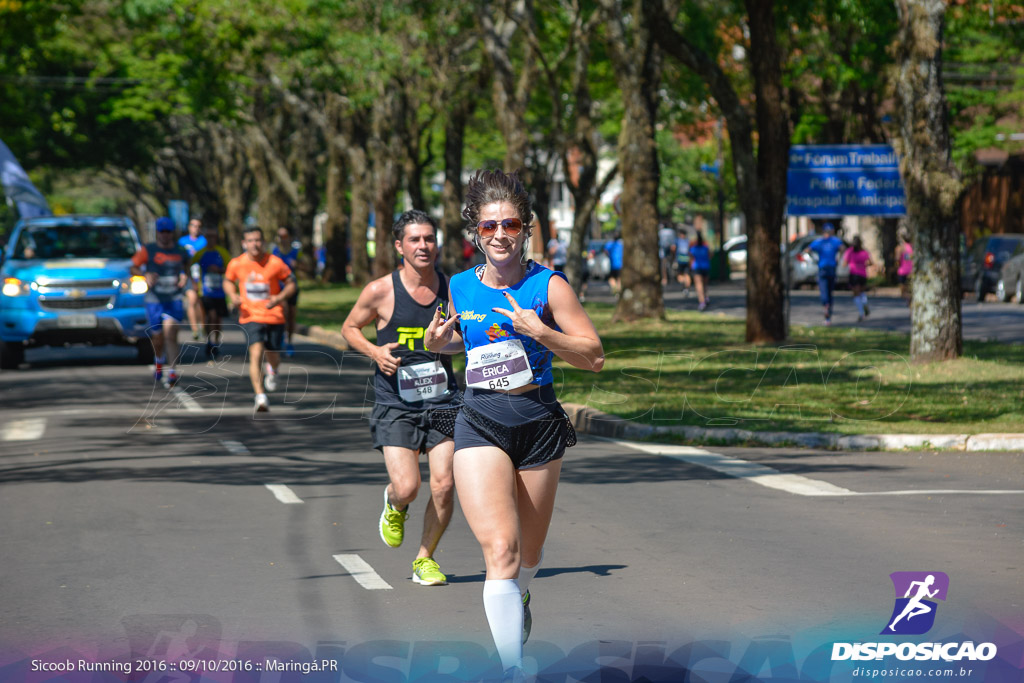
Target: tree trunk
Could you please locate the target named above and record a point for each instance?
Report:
(452, 223)
(887, 230)
(386, 186)
(511, 87)
(932, 183)
(541, 191)
(637, 65)
(765, 316)
(335, 227)
(641, 295)
(233, 183)
(362, 197)
(765, 321)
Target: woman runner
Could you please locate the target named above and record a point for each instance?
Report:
(858, 258)
(511, 432)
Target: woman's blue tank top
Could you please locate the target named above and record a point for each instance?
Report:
(473, 301)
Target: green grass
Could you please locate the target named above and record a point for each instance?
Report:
(325, 305)
(695, 369)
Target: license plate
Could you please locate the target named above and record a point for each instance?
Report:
(76, 321)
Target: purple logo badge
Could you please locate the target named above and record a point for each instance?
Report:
(914, 611)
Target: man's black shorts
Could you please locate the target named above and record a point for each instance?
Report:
(271, 336)
(412, 429)
(216, 303)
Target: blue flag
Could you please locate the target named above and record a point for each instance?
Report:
(19, 189)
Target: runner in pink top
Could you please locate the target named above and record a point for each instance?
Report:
(859, 259)
(905, 261)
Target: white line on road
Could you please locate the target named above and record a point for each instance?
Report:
(742, 469)
(362, 572)
(23, 430)
(774, 479)
(235, 447)
(189, 403)
(940, 492)
(283, 494)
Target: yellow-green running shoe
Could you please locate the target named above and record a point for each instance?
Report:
(527, 618)
(426, 572)
(392, 523)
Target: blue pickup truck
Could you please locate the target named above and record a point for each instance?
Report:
(67, 280)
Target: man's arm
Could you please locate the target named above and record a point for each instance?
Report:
(366, 311)
(287, 291)
(231, 293)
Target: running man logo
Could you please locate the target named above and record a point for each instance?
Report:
(913, 614)
(409, 335)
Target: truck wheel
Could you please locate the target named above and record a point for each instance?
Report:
(11, 355)
(144, 352)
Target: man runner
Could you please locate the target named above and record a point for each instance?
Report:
(253, 283)
(289, 250)
(193, 243)
(416, 393)
(163, 264)
(212, 260)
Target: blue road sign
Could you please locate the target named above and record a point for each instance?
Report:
(844, 180)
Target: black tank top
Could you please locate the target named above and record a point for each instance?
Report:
(407, 326)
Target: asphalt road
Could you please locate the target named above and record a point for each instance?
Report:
(146, 525)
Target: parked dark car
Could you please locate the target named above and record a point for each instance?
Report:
(1011, 280)
(981, 272)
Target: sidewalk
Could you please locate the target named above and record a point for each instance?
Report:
(596, 423)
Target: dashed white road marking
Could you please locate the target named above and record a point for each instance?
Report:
(774, 479)
(187, 402)
(284, 494)
(235, 447)
(362, 572)
(28, 429)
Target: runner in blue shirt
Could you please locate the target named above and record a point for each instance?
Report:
(700, 265)
(212, 261)
(828, 248)
(289, 250)
(683, 261)
(615, 249)
(193, 243)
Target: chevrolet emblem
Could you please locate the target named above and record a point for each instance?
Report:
(76, 293)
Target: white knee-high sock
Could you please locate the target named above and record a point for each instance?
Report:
(526, 574)
(859, 300)
(503, 606)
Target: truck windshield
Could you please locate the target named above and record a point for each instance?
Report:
(74, 241)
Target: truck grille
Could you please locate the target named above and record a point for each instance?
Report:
(57, 286)
(84, 303)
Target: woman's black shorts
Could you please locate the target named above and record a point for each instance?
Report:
(531, 430)
(858, 280)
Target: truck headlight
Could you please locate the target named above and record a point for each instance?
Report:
(15, 287)
(135, 285)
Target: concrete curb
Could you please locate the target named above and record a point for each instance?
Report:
(594, 422)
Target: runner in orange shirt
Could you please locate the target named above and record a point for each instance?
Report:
(252, 283)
